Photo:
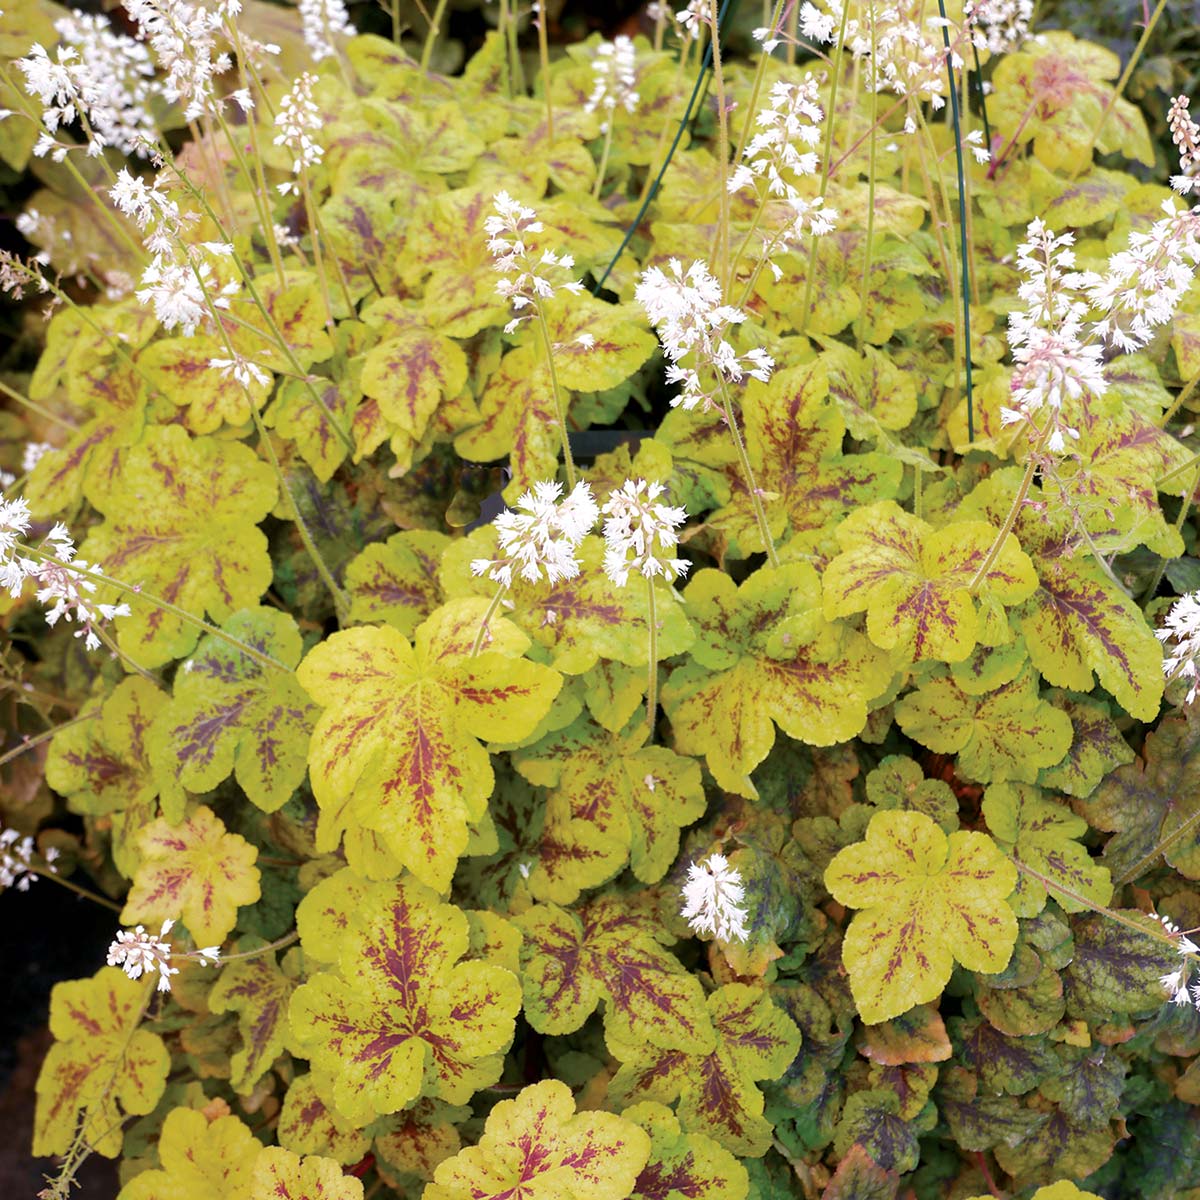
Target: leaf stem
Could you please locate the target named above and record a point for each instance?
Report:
(1185, 506)
(435, 27)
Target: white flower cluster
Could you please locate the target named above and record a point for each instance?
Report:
(297, 120)
(781, 151)
(614, 67)
(1176, 982)
(712, 899)
(1182, 627)
(61, 588)
(541, 534)
(1185, 133)
(184, 41)
(321, 21)
(999, 26)
(16, 861)
(530, 278)
(136, 952)
(176, 279)
(1054, 364)
(639, 533)
(688, 312)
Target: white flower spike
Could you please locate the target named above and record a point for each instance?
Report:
(712, 900)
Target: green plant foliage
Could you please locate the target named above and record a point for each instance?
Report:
(821, 819)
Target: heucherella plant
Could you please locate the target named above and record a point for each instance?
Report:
(648, 616)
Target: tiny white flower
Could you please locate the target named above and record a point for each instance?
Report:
(136, 952)
(639, 532)
(712, 899)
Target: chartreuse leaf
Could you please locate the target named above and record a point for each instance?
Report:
(794, 435)
(308, 1126)
(1006, 734)
(1039, 832)
(683, 1164)
(765, 656)
(914, 581)
(402, 1017)
(232, 715)
(282, 1175)
(657, 791)
(899, 782)
(570, 962)
(538, 1146)
(1063, 1190)
(201, 1160)
(397, 581)
(718, 1097)
(259, 992)
(195, 872)
(1097, 746)
(396, 752)
(1116, 967)
(927, 901)
(100, 1064)
(103, 766)
(421, 1137)
(182, 521)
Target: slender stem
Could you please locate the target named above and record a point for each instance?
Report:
(1118, 91)
(435, 27)
(1011, 519)
(186, 617)
(30, 742)
(544, 55)
(1178, 403)
(487, 616)
(86, 893)
(723, 232)
(318, 257)
(652, 677)
(603, 167)
(278, 944)
(760, 71)
(826, 152)
(964, 249)
(33, 406)
(869, 248)
(559, 407)
(748, 473)
(258, 193)
(319, 226)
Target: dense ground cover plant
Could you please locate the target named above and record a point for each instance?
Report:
(791, 791)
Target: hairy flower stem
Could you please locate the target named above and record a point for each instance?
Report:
(964, 245)
(278, 944)
(826, 172)
(559, 407)
(34, 407)
(435, 27)
(1177, 404)
(1011, 519)
(747, 473)
(186, 617)
(722, 248)
(30, 742)
(487, 617)
(86, 893)
(652, 670)
(869, 247)
(256, 179)
(544, 56)
(602, 169)
(1185, 506)
(759, 73)
(318, 257)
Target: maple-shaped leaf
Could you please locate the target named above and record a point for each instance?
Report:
(926, 901)
(182, 522)
(1038, 832)
(397, 581)
(1152, 806)
(1117, 968)
(1006, 734)
(179, 368)
(1077, 622)
(396, 750)
(765, 656)
(914, 581)
(718, 1092)
(794, 434)
(307, 1125)
(580, 621)
(570, 962)
(1097, 746)
(403, 1017)
(102, 766)
(208, 1160)
(259, 992)
(1013, 1065)
(596, 345)
(683, 1163)
(537, 1145)
(232, 715)
(99, 1064)
(419, 1138)
(196, 872)
(308, 421)
(282, 1175)
(657, 790)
